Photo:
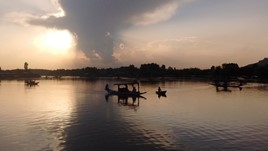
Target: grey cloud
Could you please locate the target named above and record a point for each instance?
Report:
(90, 20)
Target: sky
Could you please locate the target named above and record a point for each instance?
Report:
(53, 34)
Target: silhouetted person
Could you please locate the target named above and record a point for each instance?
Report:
(107, 87)
(159, 89)
(134, 89)
(126, 89)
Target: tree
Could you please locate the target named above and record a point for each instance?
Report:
(150, 70)
(26, 66)
(163, 67)
(230, 69)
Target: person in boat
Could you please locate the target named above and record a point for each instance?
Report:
(107, 87)
(123, 89)
(126, 88)
(134, 89)
(159, 89)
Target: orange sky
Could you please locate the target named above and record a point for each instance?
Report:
(178, 33)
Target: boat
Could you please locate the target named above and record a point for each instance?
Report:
(227, 84)
(31, 82)
(160, 92)
(122, 89)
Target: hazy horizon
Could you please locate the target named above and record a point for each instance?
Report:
(138, 66)
(53, 34)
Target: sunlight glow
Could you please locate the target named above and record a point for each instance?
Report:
(55, 41)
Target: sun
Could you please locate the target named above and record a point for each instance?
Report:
(55, 41)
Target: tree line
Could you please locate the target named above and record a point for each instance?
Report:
(153, 70)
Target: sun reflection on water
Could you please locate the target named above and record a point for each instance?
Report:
(38, 114)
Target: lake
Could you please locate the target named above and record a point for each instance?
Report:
(76, 115)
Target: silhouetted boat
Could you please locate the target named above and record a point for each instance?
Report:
(225, 85)
(31, 82)
(163, 93)
(123, 89)
(160, 92)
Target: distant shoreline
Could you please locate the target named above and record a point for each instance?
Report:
(151, 72)
(127, 79)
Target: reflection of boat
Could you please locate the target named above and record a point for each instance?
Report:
(124, 100)
(124, 91)
(31, 82)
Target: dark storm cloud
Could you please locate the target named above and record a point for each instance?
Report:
(97, 23)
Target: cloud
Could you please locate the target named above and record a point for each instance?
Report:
(162, 13)
(173, 43)
(22, 11)
(183, 52)
(162, 51)
(20, 18)
(98, 23)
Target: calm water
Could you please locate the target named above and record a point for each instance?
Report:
(75, 115)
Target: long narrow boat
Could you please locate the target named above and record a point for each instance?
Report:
(123, 89)
(31, 82)
(225, 85)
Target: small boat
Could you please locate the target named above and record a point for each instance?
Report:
(31, 82)
(160, 92)
(123, 90)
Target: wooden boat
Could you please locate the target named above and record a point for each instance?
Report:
(31, 82)
(163, 93)
(123, 90)
(225, 85)
(160, 92)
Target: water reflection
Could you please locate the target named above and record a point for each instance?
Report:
(75, 115)
(161, 95)
(31, 115)
(132, 102)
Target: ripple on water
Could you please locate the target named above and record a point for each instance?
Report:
(223, 137)
(80, 119)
